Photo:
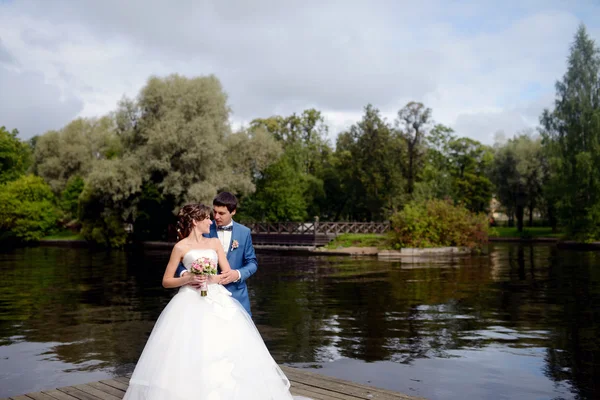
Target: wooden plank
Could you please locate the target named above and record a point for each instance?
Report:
(20, 397)
(78, 394)
(58, 395)
(315, 396)
(315, 393)
(115, 384)
(118, 393)
(95, 392)
(342, 386)
(122, 379)
(40, 396)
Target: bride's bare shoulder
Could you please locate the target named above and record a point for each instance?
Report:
(181, 246)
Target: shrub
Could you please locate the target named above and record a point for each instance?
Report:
(27, 211)
(438, 223)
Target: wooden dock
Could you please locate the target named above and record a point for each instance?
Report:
(304, 383)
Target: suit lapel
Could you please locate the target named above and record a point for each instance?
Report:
(233, 231)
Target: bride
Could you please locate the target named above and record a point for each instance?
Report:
(204, 348)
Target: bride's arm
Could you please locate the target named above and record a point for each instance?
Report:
(169, 280)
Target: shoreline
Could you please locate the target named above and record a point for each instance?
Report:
(359, 251)
(385, 254)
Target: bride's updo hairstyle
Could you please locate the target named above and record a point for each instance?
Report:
(187, 215)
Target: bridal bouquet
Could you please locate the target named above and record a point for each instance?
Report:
(204, 266)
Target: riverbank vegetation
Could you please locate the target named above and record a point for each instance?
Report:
(124, 175)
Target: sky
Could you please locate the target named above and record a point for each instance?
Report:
(482, 66)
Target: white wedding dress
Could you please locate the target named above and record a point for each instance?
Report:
(206, 348)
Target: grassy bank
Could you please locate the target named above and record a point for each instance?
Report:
(360, 240)
(64, 235)
(528, 232)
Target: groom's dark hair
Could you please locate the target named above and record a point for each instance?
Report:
(226, 199)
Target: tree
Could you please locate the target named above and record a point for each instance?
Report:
(27, 211)
(306, 149)
(469, 163)
(435, 180)
(571, 136)
(413, 123)
(369, 160)
(518, 174)
(15, 156)
(71, 151)
(108, 200)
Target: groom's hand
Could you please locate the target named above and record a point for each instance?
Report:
(229, 276)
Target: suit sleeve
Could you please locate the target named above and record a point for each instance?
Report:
(180, 269)
(250, 264)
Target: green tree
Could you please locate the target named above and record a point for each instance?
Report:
(279, 194)
(15, 155)
(61, 155)
(109, 199)
(27, 210)
(303, 139)
(369, 160)
(469, 163)
(572, 137)
(413, 123)
(435, 180)
(69, 198)
(518, 175)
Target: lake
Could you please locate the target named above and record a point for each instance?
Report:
(521, 322)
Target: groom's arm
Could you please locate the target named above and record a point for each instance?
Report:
(250, 263)
(180, 270)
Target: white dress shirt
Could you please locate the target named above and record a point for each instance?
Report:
(225, 239)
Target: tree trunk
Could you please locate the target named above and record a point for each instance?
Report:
(520, 212)
(531, 215)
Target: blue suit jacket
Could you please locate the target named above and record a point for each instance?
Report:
(242, 259)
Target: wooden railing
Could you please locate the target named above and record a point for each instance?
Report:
(317, 228)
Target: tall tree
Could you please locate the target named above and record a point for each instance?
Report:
(518, 175)
(572, 137)
(469, 163)
(71, 151)
(413, 123)
(370, 157)
(15, 155)
(435, 180)
(307, 152)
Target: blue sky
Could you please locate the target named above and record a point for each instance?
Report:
(482, 66)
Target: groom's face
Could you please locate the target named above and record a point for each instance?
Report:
(222, 215)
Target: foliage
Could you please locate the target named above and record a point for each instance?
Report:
(108, 200)
(572, 140)
(413, 123)
(69, 198)
(72, 151)
(438, 223)
(280, 194)
(15, 155)
(27, 211)
(518, 173)
(533, 232)
(369, 161)
(360, 240)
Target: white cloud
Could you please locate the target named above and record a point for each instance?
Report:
(474, 64)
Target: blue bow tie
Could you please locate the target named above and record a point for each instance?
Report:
(225, 228)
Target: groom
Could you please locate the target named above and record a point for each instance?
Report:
(237, 244)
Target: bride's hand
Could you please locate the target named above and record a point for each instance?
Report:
(214, 279)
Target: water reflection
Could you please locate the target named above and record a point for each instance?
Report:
(518, 322)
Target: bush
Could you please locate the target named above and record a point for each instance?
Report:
(27, 211)
(438, 223)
